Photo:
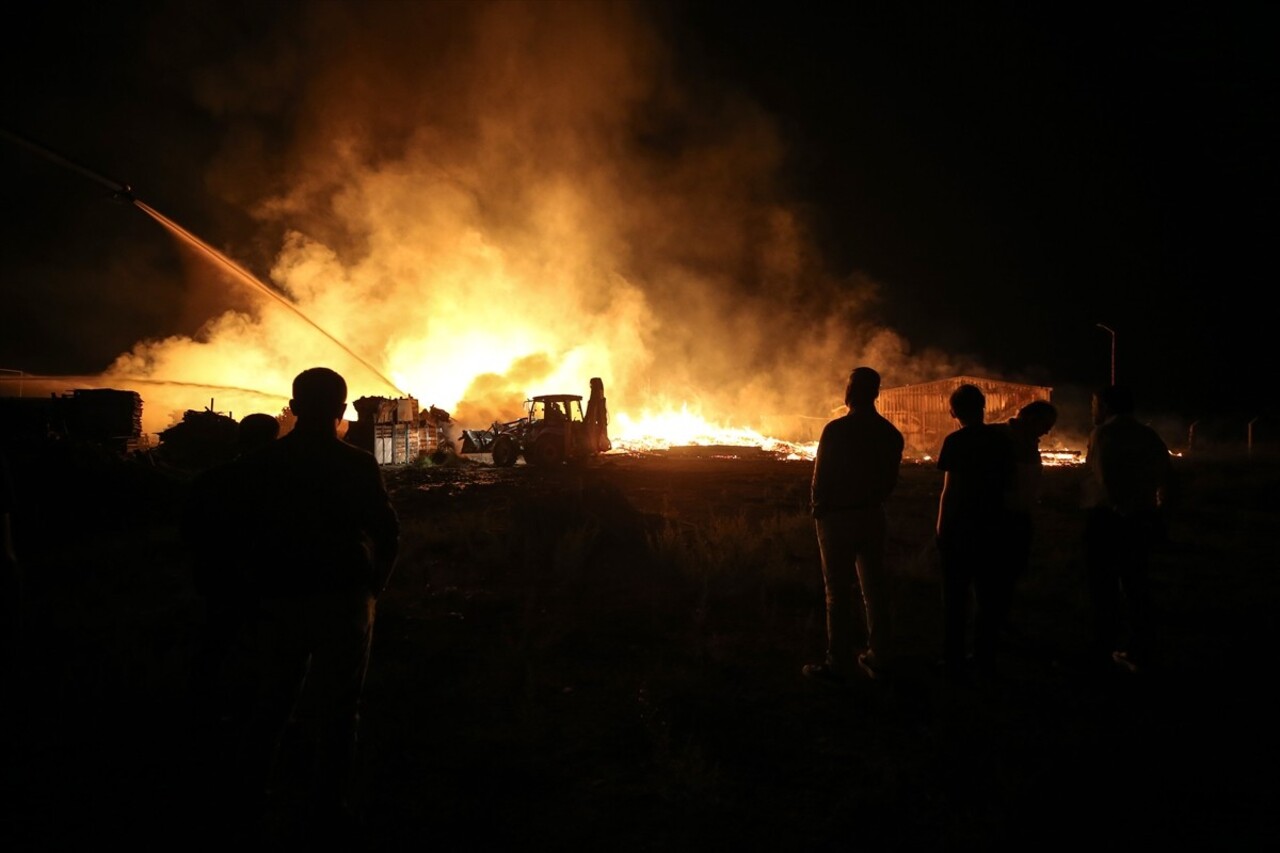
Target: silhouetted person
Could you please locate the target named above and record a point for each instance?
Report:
(977, 461)
(1130, 481)
(217, 539)
(255, 432)
(1033, 422)
(597, 418)
(854, 473)
(326, 543)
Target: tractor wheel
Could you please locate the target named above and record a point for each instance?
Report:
(549, 450)
(504, 451)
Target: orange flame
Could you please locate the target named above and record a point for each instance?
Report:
(664, 430)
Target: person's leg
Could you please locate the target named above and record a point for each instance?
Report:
(991, 590)
(994, 576)
(957, 585)
(281, 649)
(1135, 587)
(1104, 550)
(335, 685)
(1020, 539)
(875, 581)
(836, 548)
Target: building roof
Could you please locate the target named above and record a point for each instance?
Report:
(956, 381)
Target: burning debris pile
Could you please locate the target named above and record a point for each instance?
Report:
(202, 439)
(398, 432)
(1062, 457)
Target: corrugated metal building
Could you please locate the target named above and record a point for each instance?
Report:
(923, 412)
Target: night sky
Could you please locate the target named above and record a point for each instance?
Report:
(1019, 175)
(1010, 177)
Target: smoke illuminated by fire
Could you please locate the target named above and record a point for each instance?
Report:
(487, 201)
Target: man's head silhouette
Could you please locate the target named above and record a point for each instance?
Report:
(863, 387)
(255, 431)
(319, 396)
(968, 404)
(1038, 417)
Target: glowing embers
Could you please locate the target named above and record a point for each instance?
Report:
(686, 432)
(1062, 457)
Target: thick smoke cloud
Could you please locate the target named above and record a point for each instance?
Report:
(490, 200)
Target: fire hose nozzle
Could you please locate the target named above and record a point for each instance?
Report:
(124, 194)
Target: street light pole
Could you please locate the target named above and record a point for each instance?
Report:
(1113, 350)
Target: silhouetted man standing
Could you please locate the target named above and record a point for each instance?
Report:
(855, 471)
(221, 554)
(327, 538)
(977, 461)
(1130, 477)
(1033, 422)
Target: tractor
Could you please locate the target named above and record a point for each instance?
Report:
(553, 430)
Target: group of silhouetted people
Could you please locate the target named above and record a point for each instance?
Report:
(294, 540)
(984, 529)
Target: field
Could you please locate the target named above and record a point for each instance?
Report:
(608, 657)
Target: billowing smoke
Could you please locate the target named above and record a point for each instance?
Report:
(495, 199)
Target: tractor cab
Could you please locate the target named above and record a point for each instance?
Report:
(555, 408)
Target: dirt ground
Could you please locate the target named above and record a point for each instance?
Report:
(609, 657)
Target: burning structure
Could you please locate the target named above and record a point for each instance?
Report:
(396, 431)
(923, 412)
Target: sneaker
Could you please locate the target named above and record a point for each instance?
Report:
(822, 673)
(871, 667)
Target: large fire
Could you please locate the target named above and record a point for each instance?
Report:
(684, 428)
(436, 222)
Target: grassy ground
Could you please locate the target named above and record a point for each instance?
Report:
(610, 657)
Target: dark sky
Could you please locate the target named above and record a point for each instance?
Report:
(1018, 175)
(1012, 177)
